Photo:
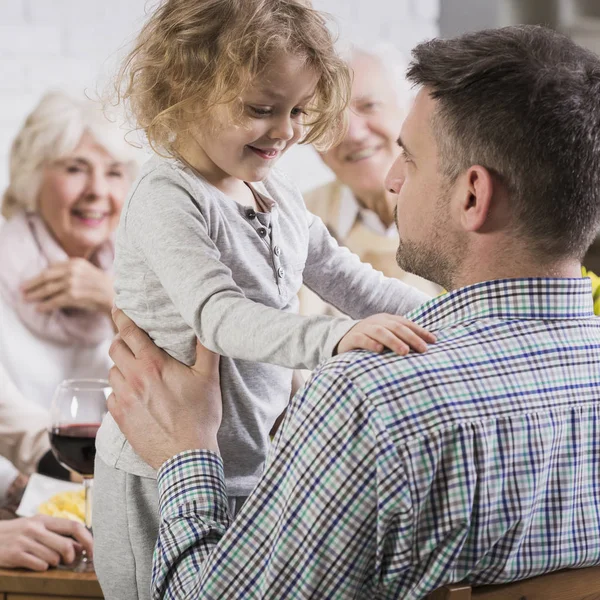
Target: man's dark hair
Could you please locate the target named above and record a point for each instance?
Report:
(524, 102)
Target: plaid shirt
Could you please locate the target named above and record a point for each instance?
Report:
(478, 460)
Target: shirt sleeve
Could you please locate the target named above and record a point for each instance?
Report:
(341, 279)
(174, 238)
(318, 523)
(23, 427)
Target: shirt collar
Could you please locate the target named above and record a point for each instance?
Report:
(265, 197)
(347, 214)
(350, 210)
(506, 299)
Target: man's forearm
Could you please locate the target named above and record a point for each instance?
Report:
(306, 526)
(193, 518)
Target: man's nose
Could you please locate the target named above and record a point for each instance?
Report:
(395, 177)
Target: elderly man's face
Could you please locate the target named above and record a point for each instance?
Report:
(430, 244)
(369, 148)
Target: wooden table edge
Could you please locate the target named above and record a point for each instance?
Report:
(54, 581)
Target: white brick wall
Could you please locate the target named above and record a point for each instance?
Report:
(75, 44)
(403, 22)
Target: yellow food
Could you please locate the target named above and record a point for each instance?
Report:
(66, 505)
(595, 288)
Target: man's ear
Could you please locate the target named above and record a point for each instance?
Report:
(477, 192)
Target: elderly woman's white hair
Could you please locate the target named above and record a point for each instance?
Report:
(51, 131)
(394, 64)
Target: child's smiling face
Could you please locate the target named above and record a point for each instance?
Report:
(273, 114)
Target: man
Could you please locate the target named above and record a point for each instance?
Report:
(477, 460)
(356, 207)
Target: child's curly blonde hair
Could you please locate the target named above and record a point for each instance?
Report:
(193, 55)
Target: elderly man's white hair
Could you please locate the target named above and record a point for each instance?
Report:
(51, 131)
(393, 62)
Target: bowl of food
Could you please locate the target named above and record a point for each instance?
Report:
(48, 496)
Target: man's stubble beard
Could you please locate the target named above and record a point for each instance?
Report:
(438, 258)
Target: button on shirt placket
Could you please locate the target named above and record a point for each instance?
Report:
(279, 270)
(260, 228)
(274, 250)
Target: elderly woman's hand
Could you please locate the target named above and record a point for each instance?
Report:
(75, 283)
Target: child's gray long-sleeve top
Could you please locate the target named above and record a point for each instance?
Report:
(193, 263)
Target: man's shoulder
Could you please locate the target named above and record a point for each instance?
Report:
(387, 380)
(477, 371)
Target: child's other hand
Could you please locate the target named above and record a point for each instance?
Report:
(386, 331)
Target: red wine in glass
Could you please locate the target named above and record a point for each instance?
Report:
(75, 446)
(78, 407)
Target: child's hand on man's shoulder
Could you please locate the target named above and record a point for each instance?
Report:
(382, 331)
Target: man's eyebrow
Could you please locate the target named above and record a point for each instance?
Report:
(402, 145)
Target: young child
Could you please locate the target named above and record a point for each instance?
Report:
(214, 243)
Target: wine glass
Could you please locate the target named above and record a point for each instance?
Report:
(77, 409)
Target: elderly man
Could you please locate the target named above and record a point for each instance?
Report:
(356, 207)
(477, 460)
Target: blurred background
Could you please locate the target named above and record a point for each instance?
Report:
(76, 45)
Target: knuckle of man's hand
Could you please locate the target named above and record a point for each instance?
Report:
(114, 345)
(128, 330)
(136, 387)
(119, 407)
(152, 368)
(111, 403)
(113, 371)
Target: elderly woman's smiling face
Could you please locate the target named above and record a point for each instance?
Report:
(81, 196)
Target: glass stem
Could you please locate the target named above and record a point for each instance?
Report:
(88, 486)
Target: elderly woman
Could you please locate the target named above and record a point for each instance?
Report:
(70, 169)
(356, 207)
